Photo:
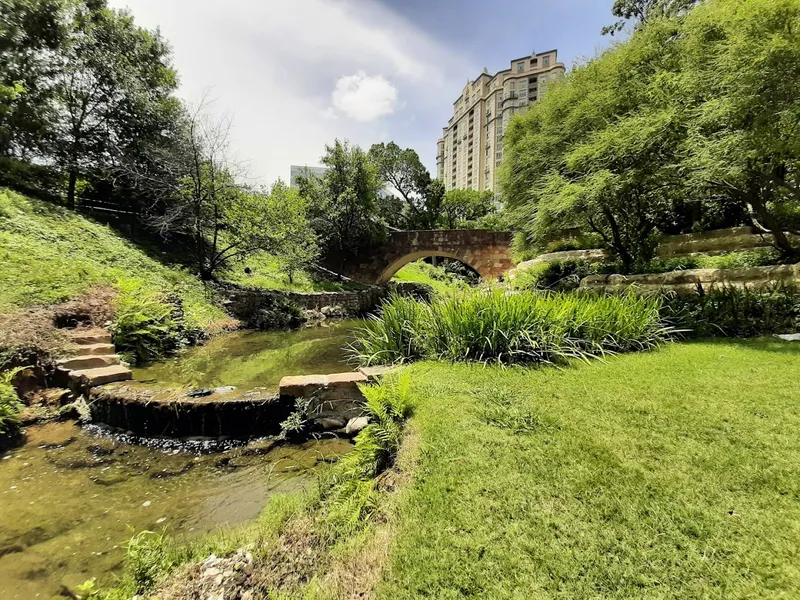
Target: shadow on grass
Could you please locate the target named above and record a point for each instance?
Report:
(765, 344)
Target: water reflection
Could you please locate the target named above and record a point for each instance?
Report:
(248, 359)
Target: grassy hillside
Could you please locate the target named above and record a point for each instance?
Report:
(436, 277)
(49, 254)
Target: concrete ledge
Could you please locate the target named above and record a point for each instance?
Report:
(330, 396)
(688, 280)
(159, 413)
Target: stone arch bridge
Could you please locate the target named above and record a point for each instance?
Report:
(487, 252)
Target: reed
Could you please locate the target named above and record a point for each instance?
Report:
(494, 325)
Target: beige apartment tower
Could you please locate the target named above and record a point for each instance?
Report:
(471, 148)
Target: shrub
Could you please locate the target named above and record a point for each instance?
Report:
(149, 324)
(9, 401)
(349, 492)
(393, 336)
(555, 275)
(497, 326)
(742, 259)
(735, 312)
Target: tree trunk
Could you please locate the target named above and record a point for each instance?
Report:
(763, 220)
(73, 183)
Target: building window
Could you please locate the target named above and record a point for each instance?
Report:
(546, 61)
(534, 62)
(511, 86)
(520, 66)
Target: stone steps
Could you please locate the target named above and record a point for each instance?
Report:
(80, 363)
(92, 361)
(91, 338)
(93, 377)
(94, 349)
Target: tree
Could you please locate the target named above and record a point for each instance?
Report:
(741, 76)
(461, 206)
(403, 172)
(31, 35)
(113, 88)
(343, 202)
(598, 154)
(218, 219)
(642, 11)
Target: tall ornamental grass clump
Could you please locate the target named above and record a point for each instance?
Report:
(498, 326)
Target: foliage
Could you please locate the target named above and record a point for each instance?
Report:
(554, 275)
(501, 327)
(641, 11)
(560, 492)
(741, 259)
(342, 204)
(693, 114)
(439, 278)
(462, 206)
(50, 254)
(9, 401)
(220, 220)
(741, 74)
(268, 271)
(403, 172)
(735, 311)
(98, 88)
(147, 324)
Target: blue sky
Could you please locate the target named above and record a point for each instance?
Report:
(295, 74)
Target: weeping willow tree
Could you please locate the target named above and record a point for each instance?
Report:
(699, 107)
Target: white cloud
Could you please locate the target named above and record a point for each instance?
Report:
(273, 65)
(364, 98)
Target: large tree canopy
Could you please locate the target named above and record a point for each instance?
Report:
(96, 89)
(694, 108)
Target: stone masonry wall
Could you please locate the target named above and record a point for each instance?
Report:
(241, 301)
(688, 280)
(488, 252)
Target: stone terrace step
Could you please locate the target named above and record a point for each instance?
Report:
(93, 377)
(88, 362)
(94, 350)
(90, 337)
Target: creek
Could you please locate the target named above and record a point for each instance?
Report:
(71, 497)
(250, 359)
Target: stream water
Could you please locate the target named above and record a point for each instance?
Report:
(249, 359)
(70, 498)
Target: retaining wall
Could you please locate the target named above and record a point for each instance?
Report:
(687, 281)
(709, 242)
(243, 301)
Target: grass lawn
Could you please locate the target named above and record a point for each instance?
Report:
(669, 474)
(436, 277)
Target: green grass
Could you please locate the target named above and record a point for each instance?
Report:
(265, 272)
(493, 325)
(668, 474)
(49, 254)
(436, 277)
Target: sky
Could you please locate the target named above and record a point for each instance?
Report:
(293, 75)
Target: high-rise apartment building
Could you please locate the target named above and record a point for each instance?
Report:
(471, 148)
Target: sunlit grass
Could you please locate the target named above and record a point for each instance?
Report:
(668, 474)
(492, 325)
